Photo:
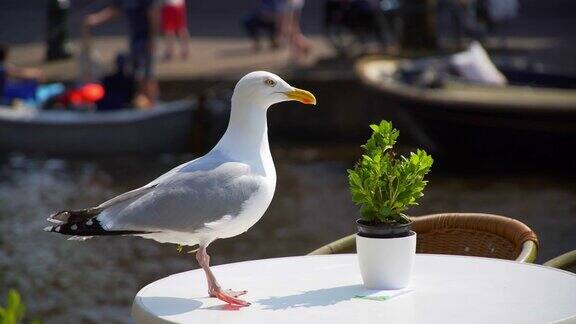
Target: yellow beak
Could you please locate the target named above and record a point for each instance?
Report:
(302, 96)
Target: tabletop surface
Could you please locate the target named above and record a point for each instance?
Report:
(325, 289)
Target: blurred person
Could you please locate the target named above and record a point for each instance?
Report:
(264, 17)
(142, 16)
(17, 83)
(457, 18)
(492, 13)
(299, 45)
(119, 87)
(174, 25)
(362, 19)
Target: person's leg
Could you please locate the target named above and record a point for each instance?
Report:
(170, 45)
(251, 24)
(458, 21)
(149, 84)
(284, 26)
(286, 30)
(169, 29)
(184, 38)
(299, 44)
(269, 25)
(147, 88)
(183, 35)
(301, 41)
(260, 23)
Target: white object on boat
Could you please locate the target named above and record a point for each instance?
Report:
(476, 66)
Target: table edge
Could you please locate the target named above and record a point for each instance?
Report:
(418, 255)
(142, 314)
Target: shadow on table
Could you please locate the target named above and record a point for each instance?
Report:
(319, 297)
(223, 307)
(165, 306)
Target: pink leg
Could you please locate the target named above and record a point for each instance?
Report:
(184, 38)
(214, 288)
(170, 45)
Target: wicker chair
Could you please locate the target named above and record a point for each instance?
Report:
(482, 235)
(565, 261)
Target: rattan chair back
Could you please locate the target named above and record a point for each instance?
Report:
(483, 235)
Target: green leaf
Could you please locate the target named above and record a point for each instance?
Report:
(14, 311)
(383, 184)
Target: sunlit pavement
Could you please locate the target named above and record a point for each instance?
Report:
(230, 57)
(210, 57)
(543, 33)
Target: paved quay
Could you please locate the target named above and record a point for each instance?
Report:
(227, 58)
(221, 57)
(543, 32)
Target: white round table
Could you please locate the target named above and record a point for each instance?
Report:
(324, 289)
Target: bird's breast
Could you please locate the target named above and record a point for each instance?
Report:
(252, 210)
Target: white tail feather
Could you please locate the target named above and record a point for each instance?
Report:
(80, 238)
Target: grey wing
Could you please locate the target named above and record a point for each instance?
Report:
(188, 199)
(143, 190)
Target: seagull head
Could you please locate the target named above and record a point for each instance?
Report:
(263, 89)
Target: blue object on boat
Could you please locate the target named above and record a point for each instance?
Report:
(22, 90)
(47, 91)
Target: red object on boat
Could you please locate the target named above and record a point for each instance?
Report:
(73, 97)
(89, 93)
(92, 92)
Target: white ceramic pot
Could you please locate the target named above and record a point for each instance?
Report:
(386, 263)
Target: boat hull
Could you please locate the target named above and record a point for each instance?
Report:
(165, 128)
(477, 121)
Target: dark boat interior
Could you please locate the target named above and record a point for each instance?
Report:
(543, 79)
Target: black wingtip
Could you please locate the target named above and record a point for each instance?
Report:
(74, 216)
(89, 227)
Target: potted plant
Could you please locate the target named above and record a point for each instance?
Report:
(385, 185)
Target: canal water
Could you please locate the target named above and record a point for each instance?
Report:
(94, 281)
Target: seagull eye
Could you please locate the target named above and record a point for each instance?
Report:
(270, 82)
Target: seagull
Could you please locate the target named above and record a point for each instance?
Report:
(219, 195)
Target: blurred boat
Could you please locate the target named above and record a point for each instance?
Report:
(535, 113)
(163, 128)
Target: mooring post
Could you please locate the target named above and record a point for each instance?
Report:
(57, 43)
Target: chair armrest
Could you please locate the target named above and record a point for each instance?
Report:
(343, 245)
(528, 253)
(563, 261)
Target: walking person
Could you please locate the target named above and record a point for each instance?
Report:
(265, 17)
(298, 43)
(142, 16)
(175, 28)
(17, 83)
